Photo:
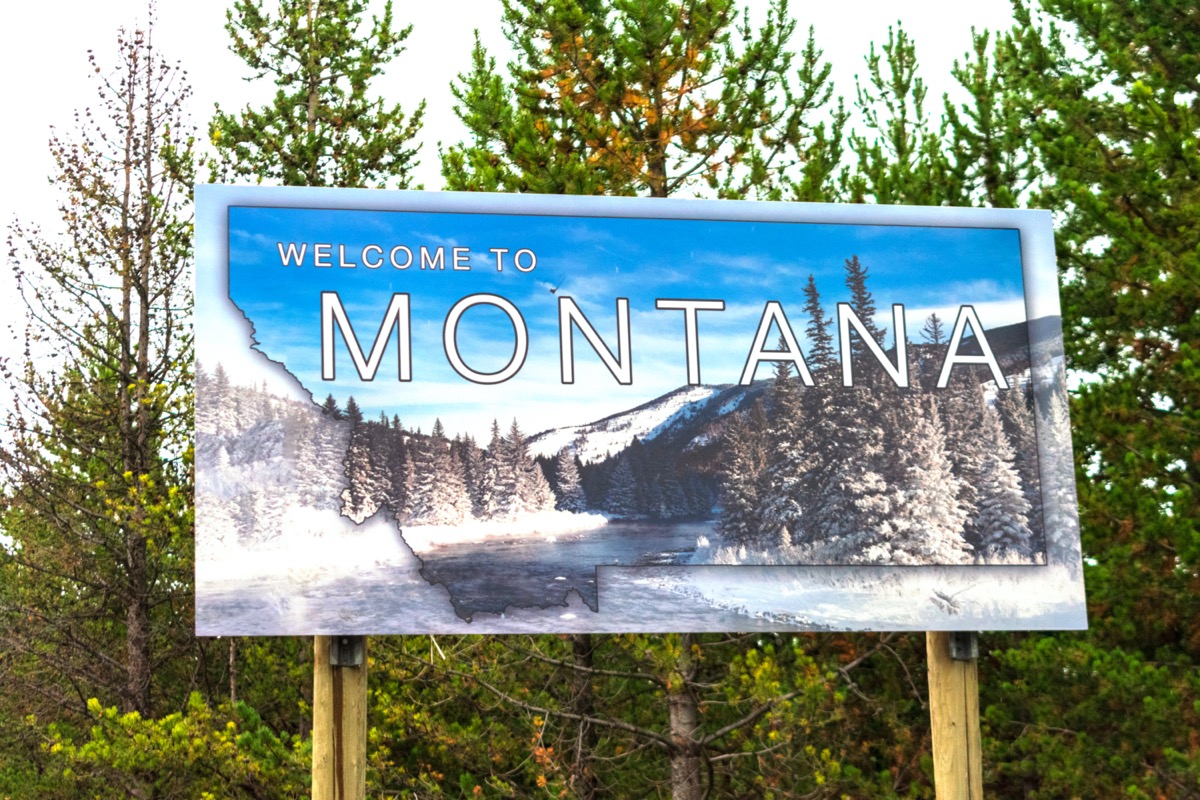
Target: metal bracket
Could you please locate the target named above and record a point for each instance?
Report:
(347, 651)
(964, 645)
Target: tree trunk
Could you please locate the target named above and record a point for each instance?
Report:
(583, 701)
(686, 761)
(232, 671)
(134, 340)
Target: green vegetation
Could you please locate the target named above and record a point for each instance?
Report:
(1090, 108)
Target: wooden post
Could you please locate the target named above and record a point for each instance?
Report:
(339, 764)
(954, 714)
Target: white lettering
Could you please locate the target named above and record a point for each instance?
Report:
(899, 372)
(532, 261)
(569, 314)
(450, 339)
(691, 337)
(462, 258)
(292, 256)
(773, 313)
(396, 316)
(407, 252)
(499, 252)
(372, 264)
(433, 260)
(967, 315)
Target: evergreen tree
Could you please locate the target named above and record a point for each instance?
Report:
(988, 137)
(1059, 532)
(645, 98)
(664, 474)
(353, 414)
(741, 513)
(620, 496)
(962, 409)
(1109, 95)
(322, 127)
(568, 485)
(531, 489)
(933, 331)
(1015, 408)
(439, 494)
(786, 441)
(926, 526)
(330, 407)
(1002, 517)
(849, 500)
(900, 158)
(822, 357)
(487, 492)
(396, 458)
(365, 476)
(862, 303)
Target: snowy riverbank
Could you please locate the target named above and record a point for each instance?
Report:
(542, 524)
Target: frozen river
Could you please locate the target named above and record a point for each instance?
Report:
(371, 583)
(533, 572)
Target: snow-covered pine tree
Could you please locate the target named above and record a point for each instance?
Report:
(1061, 529)
(1002, 512)
(487, 492)
(961, 407)
(740, 522)
(368, 485)
(471, 459)
(328, 469)
(300, 447)
(569, 487)
(204, 418)
(521, 487)
(822, 358)
(846, 497)
(783, 446)
(672, 502)
(438, 495)
(1015, 407)
(394, 441)
(926, 525)
(218, 405)
(866, 370)
(620, 496)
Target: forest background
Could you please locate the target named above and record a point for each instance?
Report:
(1089, 108)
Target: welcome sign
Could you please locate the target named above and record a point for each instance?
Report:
(424, 412)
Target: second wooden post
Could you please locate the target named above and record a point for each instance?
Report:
(954, 714)
(339, 767)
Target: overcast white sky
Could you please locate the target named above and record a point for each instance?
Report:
(43, 56)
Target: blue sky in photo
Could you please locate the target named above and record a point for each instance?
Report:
(593, 260)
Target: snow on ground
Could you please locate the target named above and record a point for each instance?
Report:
(882, 598)
(318, 541)
(594, 440)
(544, 524)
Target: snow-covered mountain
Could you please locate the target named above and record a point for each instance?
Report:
(692, 417)
(684, 415)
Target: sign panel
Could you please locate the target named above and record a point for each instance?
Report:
(426, 412)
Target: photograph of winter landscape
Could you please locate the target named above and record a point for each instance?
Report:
(417, 415)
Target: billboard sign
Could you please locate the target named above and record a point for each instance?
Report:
(425, 412)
